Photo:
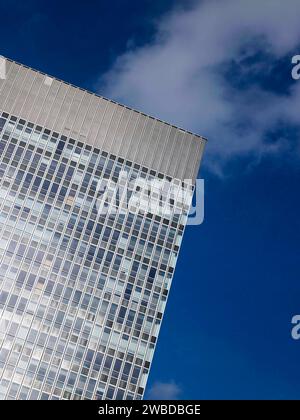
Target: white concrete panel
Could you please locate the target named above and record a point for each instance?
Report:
(94, 120)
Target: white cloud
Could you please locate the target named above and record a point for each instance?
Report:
(180, 78)
(164, 391)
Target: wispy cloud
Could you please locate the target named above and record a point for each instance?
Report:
(210, 69)
(164, 391)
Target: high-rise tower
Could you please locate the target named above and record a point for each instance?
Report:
(84, 273)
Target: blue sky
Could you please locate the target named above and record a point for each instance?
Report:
(223, 71)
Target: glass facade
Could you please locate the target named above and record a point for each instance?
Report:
(82, 292)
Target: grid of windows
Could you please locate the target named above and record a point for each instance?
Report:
(82, 294)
